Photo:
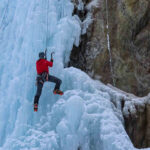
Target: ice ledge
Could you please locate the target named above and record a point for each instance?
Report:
(125, 102)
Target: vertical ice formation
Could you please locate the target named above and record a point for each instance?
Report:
(108, 43)
(83, 118)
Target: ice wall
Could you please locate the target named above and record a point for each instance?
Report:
(83, 118)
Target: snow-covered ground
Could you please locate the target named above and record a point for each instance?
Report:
(84, 118)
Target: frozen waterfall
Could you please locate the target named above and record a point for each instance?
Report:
(83, 118)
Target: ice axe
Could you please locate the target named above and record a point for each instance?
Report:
(52, 53)
(45, 53)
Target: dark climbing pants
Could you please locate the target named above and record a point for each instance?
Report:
(40, 86)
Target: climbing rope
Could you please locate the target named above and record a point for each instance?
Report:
(47, 23)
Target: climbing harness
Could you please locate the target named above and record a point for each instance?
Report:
(41, 78)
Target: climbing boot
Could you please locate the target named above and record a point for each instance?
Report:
(57, 91)
(35, 107)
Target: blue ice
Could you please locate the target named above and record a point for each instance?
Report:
(81, 119)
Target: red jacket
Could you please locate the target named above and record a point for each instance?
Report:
(42, 66)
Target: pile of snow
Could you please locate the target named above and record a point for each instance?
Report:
(82, 118)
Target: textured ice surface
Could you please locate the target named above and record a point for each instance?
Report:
(83, 118)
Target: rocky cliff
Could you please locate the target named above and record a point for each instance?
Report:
(138, 126)
(136, 112)
(115, 46)
(129, 36)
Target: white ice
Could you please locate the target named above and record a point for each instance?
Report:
(84, 118)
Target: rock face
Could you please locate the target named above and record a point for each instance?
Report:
(129, 34)
(138, 127)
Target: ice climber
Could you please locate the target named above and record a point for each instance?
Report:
(43, 75)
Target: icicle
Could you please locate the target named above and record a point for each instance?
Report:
(108, 44)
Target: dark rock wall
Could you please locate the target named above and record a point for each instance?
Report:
(138, 127)
(129, 31)
(92, 42)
